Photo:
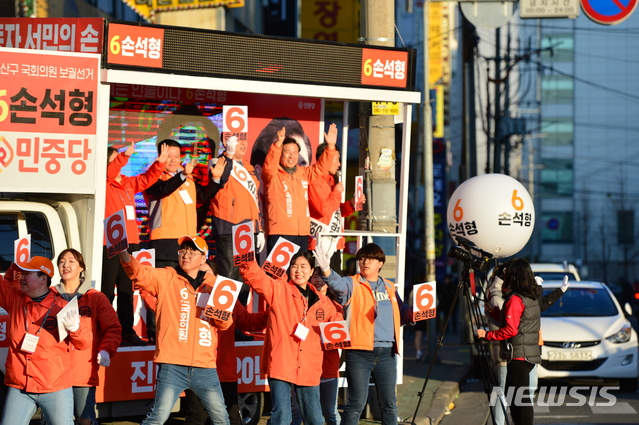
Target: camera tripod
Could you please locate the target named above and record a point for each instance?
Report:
(488, 367)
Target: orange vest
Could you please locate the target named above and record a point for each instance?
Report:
(360, 314)
(170, 217)
(183, 338)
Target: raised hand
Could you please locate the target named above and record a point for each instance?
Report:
(189, 166)
(331, 136)
(281, 135)
(218, 169)
(130, 150)
(164, 153)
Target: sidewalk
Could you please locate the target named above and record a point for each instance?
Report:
(450, 369)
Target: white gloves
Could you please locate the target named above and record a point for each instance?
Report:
(322, 258)
(104, 359)
(71, 320)
(565, 284)
(260, 242)
(538, 280)
(231, 144)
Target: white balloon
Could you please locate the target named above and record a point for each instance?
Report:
(494, 211)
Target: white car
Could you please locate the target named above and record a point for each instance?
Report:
(587, 335)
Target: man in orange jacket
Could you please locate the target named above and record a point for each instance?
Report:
(236, 201)
(286, 185)
(327, 208)
(187, 347)
(120, 195)
(38, 364)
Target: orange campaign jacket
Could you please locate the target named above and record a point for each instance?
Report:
(287, 195)
(106, 329)
(284, 356)
(120, 194)
(183, 337)
(226, 353)
(323, 201)
(46, 369)
(330, 362)
(233, 203)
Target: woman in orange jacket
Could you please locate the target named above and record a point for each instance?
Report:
(292, 356)
(106, 328)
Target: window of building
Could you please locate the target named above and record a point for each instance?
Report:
(557, 89)
(557, 131)
(557, 227)
(557, 48)
(557, 177)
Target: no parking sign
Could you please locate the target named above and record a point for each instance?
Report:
(608, 12)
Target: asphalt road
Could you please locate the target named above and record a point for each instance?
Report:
(584, 403)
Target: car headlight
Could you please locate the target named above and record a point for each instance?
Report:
(622, 336)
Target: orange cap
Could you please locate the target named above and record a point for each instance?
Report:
(200, 243)
(38, 264)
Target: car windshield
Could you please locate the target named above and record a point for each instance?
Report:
(582, 302)
(555, 275)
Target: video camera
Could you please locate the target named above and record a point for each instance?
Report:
(463, 253)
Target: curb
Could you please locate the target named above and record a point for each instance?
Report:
(445, 394)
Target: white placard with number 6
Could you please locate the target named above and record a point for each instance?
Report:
(424, 296)
(335, 334)
(145, 256)
(243, 238)
(22, 249)
(224, 294)
(235, 119)
(359, 191)
(281, 254)
(115, 230)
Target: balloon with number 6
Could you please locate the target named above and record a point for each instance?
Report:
(494, 211)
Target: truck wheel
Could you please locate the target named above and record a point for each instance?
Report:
(250, 405)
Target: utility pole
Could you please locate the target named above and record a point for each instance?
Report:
(377, 138)
(469, 141)
(497, 112)
(506, 117)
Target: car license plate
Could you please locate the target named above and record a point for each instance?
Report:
(569, 355)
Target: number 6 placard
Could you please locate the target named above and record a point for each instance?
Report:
(243, 246)
(222, 299)
(145, 256)
(279, 258)
(424, 296)
(22, 249)
(115, 230)
(235, 121)
(335, 335)
(359, 191)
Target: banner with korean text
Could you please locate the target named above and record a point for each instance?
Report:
(48, 114)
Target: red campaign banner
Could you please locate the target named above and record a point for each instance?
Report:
(131, 45)
(249, 356)
(384, 68)
(131, 376)
(61, 34)
(42, 93)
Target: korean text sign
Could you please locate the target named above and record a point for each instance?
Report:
(48, 114)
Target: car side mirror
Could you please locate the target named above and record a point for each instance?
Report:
(628, 309)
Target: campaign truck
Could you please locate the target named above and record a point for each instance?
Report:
(71, 87)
